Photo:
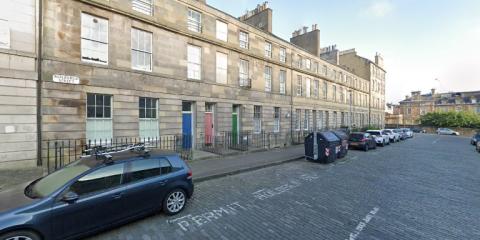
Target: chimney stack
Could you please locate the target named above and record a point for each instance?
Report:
(260, 17)
(433, 91)
(308, 40)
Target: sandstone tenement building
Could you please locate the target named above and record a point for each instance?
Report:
(409, 111)
(146, 68)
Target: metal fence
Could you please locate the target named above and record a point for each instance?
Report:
(58, 153)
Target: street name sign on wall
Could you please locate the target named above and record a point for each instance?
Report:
(66, 79)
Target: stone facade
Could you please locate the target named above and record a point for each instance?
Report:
(375, 73)
(18, 83)
(418, 104)
(75, 87)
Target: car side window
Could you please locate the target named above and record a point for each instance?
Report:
(165, 166)
(100, 180)
(143, 169)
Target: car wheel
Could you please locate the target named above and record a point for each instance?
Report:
(365, 148)
(383, 144)
(174, 202)
(20, 235)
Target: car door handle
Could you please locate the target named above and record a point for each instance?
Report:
(117, 196)
(163, 183)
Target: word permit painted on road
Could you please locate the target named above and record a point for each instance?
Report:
(265, 193)
(363, 224)
(187, 222)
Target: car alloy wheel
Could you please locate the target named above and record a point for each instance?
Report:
(19, 238)
(175, 202)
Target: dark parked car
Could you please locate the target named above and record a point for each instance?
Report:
(418, 130)
(95, 193)
(363, 141)
(475, 139)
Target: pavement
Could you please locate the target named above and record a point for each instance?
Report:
(203, 170)
(423, 188)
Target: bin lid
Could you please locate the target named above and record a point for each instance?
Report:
(329, 136)
(341, 135)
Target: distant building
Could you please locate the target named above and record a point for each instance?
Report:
(416, 105)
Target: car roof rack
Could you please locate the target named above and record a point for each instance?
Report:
(104, 153)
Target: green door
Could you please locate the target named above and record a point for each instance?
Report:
(234, 128)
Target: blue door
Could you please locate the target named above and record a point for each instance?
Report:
(187, 130)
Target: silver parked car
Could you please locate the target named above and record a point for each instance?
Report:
(447, 131)
(381, 138)
(394, 137)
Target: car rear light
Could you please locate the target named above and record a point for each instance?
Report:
(189, 174)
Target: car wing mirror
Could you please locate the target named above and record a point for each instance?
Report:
(70, 197)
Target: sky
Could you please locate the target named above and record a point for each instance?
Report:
(425, 43)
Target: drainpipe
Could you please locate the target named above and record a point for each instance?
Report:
(39, 82)
(291, 99)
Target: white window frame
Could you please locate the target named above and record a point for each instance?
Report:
(283, 81)
(194, 62)
(143, 6)
(148, 125)
(94, 39)
(194, 24)
(299, 86)
(268, 78)
(243, 72)
(298, 119)
(320, 120)
(142, 51)
(283, 55)
(325, 90)
(306, 119)
(308, 87)
(276, 119)
(4, 34)
(257, 119)
(268, 49)
(222, 68)
(222, 31)
(243, 38)
(308, 63)
(316, 85)
(99, 128)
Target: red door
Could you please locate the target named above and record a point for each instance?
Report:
(208, 128)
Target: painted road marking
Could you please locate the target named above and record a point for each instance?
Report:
(189, 221)
(436, 140)
(361, 226)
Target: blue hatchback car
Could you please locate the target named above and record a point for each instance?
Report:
(95, 193)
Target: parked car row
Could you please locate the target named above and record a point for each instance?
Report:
(373, 138)
(475, 141)
(94, 193)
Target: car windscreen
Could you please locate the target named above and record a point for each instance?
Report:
(50, 183)
(375, 133)
(356, 137)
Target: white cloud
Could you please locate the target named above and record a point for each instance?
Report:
(379, 8)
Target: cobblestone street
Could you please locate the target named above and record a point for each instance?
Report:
(424, 188)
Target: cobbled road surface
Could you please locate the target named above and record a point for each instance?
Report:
(427, 187)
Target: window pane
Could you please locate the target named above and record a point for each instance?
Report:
(99, 112)
(165, 166)
(100, 180)
(90, 99)
(107, 100)
(99, 100)
(108, 112)
(90, 112)
(142, 113)
(144, 169)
